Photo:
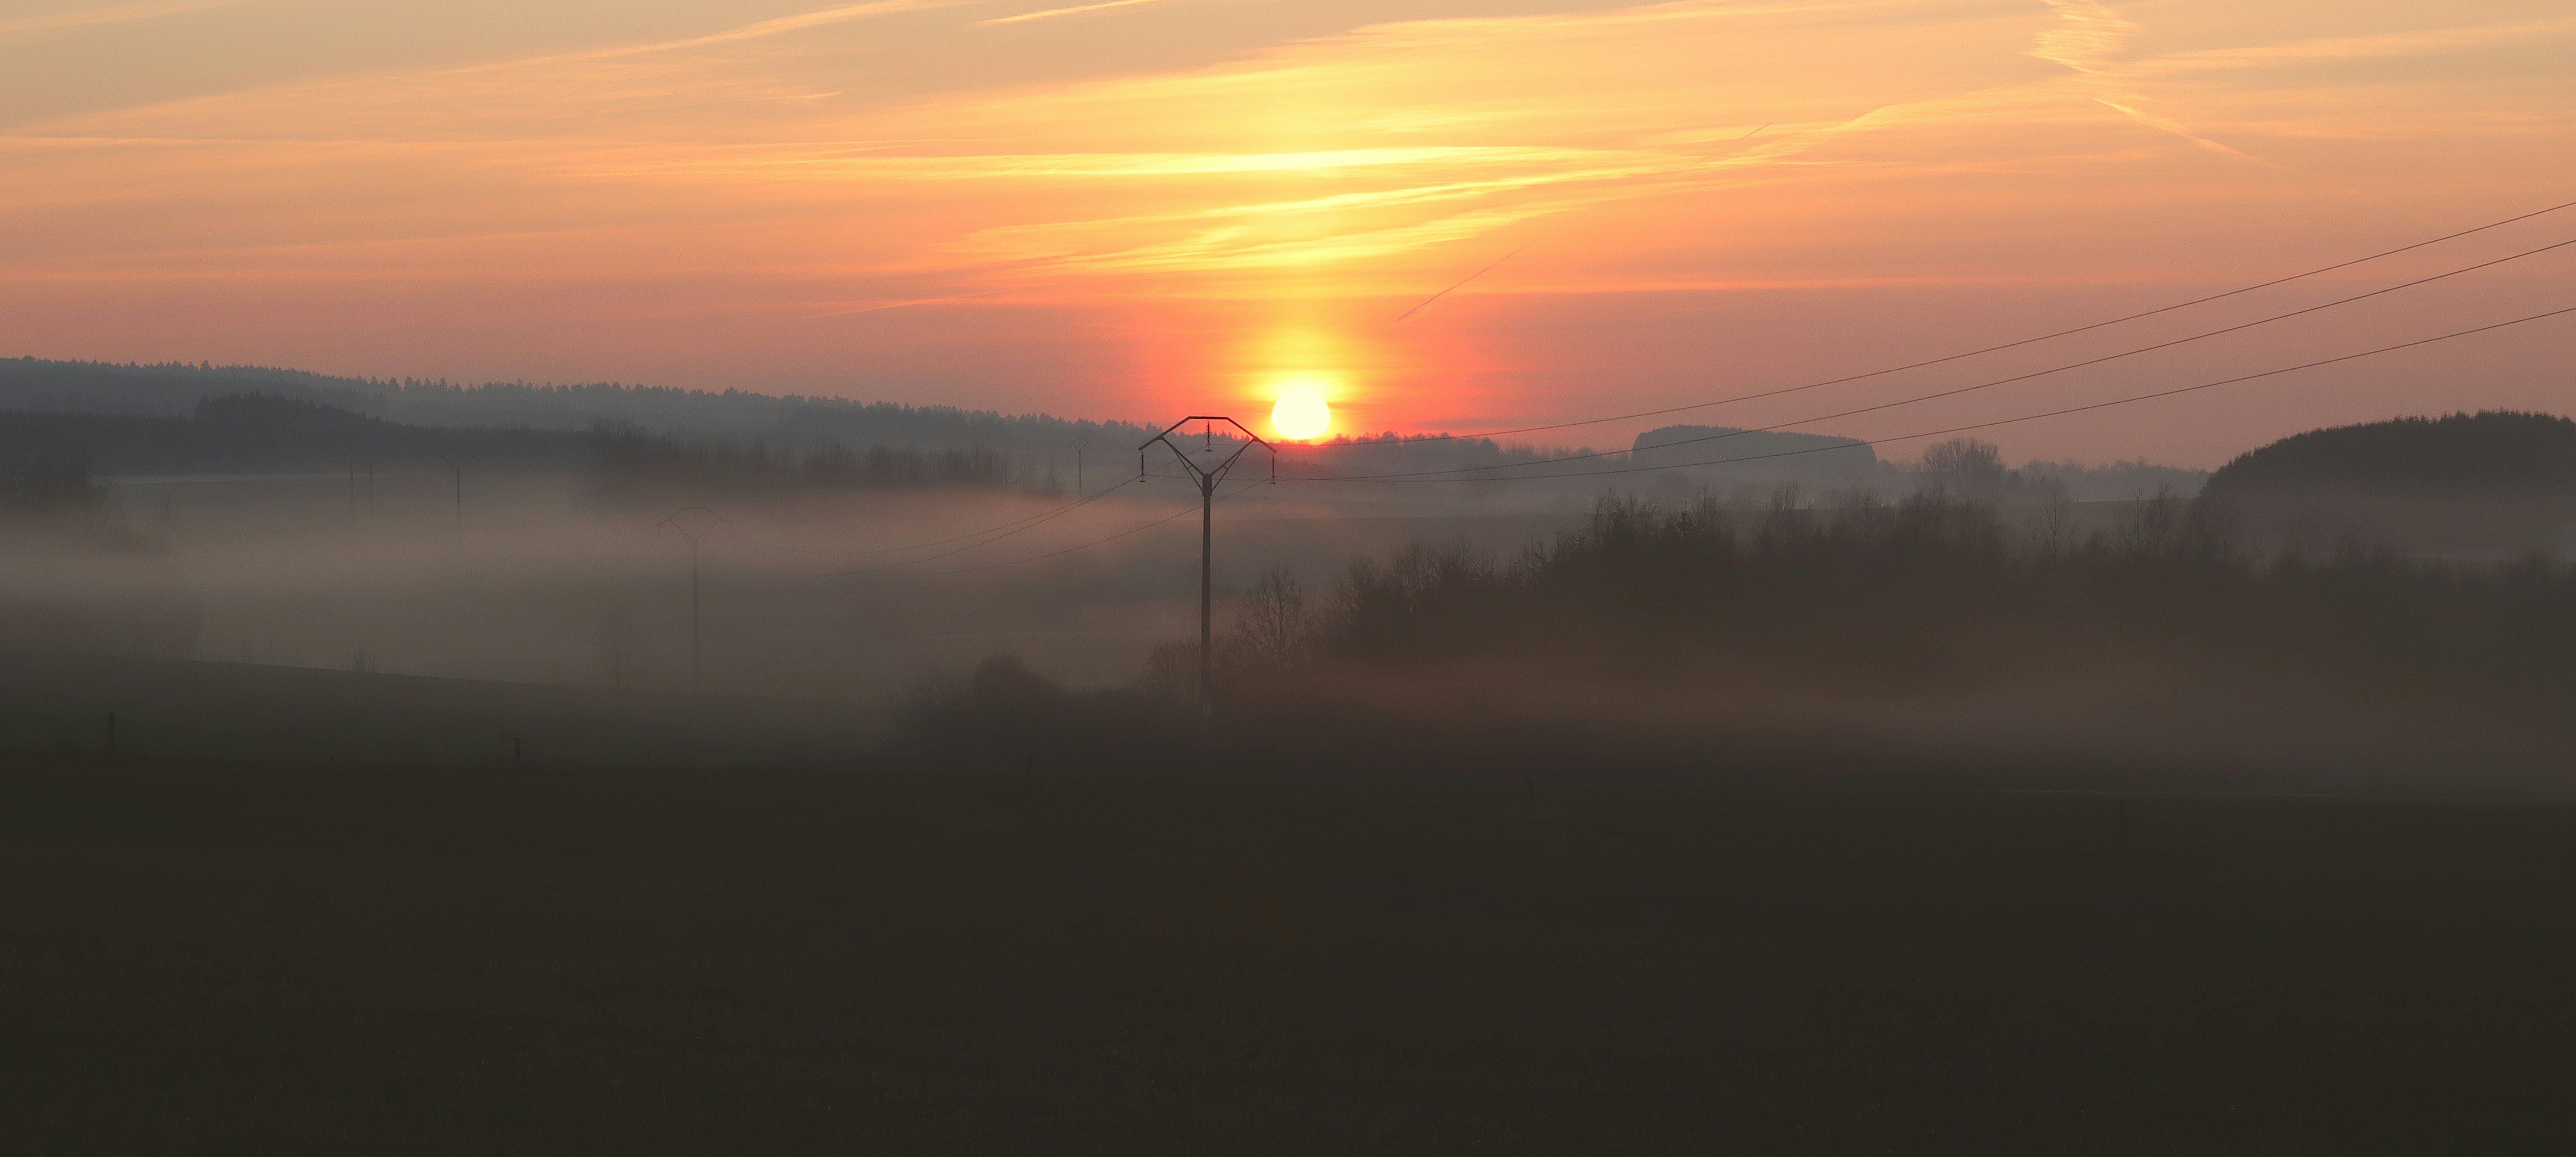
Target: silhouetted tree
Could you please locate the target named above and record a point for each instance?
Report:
(1967, 468)
(1271, 628)
(612, 638)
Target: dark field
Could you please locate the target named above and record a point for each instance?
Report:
(204, 959)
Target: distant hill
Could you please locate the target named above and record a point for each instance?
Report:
(2463, 453)
(1721, 454)
(789, 422)
(882, 437)
(2491, 481)
(266, 434)
(105, 407)
(42, 453)
(1724, 455)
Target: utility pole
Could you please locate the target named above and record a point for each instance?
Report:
(694, 523)
(456, 464)
(1207, 475)
(1078, 444)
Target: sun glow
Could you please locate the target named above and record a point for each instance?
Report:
(1301, 413)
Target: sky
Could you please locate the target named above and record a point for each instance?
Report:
(1152, 208)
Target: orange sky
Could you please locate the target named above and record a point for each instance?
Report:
(1156, 207)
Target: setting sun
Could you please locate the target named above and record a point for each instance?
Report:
(1301, 414)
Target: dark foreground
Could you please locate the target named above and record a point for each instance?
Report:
(202, 959)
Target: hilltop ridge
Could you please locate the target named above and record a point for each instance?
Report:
(793, 421)
(2495, 480)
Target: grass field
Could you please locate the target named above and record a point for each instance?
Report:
(236, 959)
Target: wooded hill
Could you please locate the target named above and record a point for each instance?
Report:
(789, 422)
(1033, 445)
(42, 453)
(2497, 480)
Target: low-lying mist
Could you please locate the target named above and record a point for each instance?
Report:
(811, 592)
(1931, 633)
(1978, 619)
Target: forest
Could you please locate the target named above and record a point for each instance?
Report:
(173, 390)
(1676, 458)
(1901, 618)
(1860, 627)
(2487, 484)
(263, 433)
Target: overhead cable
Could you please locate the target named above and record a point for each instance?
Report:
(1477, 471)
(2023, 418)
(2319, 271)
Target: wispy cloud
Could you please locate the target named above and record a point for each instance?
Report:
(1910, 144)
(1513, 117)
(1225, 250)
(756, 31)
(2088, 33)
(1077, 10)
(1306, 232)
(847, 308)
(2423, 42)
(1323, 163)
(94, 17)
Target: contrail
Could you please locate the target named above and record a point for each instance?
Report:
(1426, 302)
(1052, 13)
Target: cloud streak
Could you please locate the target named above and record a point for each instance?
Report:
(851, 161)
(1427, 302)
(1053, 13)
(99, 17)
(762, 30)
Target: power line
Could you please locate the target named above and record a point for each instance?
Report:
(694, 529)
(1411, 474)
(1173, 516)
(1005, 530)
(1014, 523)
(1207, 478)
(2023, 418)
(1031, 524)
(1008, 529)
(1014, 528)
(1971, 353)
(1177, 514)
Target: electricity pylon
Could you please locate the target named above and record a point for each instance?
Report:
(1207, 475)
(456, 465)
(694, 523)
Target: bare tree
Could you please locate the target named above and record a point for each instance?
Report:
(1967, 468)
(614, 639)
(1273, 628)
(2052, 525)
(2155, 523)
